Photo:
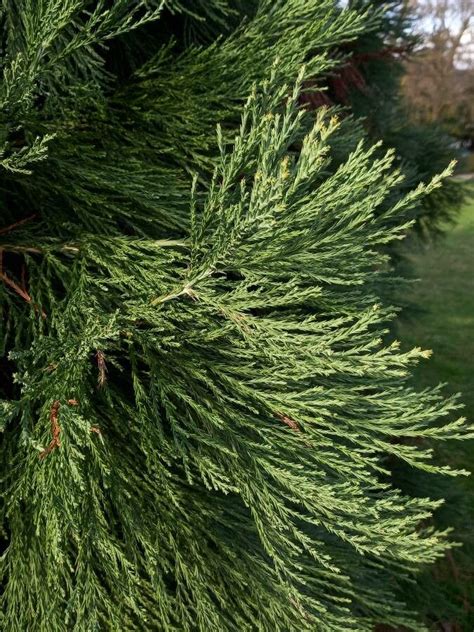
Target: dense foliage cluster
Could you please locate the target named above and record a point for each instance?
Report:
(198, 403)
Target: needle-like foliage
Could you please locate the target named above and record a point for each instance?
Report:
(198, 403)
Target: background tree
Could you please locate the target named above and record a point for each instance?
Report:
(439, 83)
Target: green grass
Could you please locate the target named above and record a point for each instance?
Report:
(443, 321)
(444, 295)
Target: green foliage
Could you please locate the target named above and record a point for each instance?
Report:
(198, 405)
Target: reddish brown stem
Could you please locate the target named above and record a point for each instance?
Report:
(55, 427)
(102, 377)
(20, 291)
(23, 277)
(55, 430)
(16, 288)
(291, 423)
(8, 229)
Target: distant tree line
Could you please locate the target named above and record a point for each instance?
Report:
(439, 79)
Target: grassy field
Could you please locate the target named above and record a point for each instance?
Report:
(444, 322)
(445, 296)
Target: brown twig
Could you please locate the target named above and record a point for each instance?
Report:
(55, 427)
(21, 291)
(291, 423)
(16, 288)
(11, 227)
(102, 378)
(23, 277)
(294, 425)
(55, 430)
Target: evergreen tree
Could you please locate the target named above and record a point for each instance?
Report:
(197, 402)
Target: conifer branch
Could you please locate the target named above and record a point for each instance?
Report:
(225, 330)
